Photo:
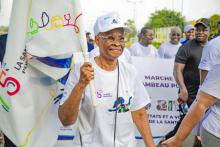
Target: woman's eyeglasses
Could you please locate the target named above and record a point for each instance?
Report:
(111, 39)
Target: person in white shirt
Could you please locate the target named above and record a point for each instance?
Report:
(144, 47)
(121, 97)
(169, 49)
(210, 57)
(208, 97)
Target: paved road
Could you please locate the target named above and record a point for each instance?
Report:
(187, 143)
(1, 145)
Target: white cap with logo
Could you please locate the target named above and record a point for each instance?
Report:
(109, 22)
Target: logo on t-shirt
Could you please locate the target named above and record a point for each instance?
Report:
(120, 106)
(101, 94)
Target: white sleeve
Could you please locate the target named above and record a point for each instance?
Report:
(210, 57)
(70, 84)
(156, 54)
(161, 51)
(127, 55)
(132, 50)
(141, 97)
(211, 84)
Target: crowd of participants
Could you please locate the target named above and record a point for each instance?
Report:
(196, 70)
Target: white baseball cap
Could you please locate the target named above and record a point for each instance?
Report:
(188, 28)
(109, 22)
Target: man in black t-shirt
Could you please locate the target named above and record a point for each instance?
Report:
(186, 70)
(187, 60)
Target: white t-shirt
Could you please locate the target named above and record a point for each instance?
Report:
(139, 50)
(168, 50)
(211, 86)
(96, 124)
(210, 54)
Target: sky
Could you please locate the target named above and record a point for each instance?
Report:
(5, 9)
(127, 9)
(191, 9)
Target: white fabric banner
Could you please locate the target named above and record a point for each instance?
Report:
(42, 36)
(157, 76)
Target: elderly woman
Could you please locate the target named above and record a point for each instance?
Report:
(121, 97)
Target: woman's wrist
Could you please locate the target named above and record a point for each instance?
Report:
(81, 85)
(178, 139)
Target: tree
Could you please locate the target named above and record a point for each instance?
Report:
(130, 36)
(213, 20)
(166, 18)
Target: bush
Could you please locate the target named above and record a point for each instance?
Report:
(156, 44)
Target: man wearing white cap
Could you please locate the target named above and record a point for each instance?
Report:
(189, 31)
(121, 97)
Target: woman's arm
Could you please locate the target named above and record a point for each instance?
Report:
(195, 114)
(140, 119)
(68, 111)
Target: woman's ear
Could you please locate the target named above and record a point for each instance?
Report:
(97, 39)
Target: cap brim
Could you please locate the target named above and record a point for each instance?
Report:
(126, 29)
(187, 30)
(201, 24)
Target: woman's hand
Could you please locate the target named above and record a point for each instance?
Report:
(172, 142)
(86, 74)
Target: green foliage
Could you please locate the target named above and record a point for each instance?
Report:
(213, 19)
(130, 36)
(166, 18)
(156, 44)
